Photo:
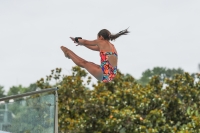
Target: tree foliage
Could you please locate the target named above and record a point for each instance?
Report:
(2, 91)
(125, 106)
(162, 72)
(2, 94)
(14, 90)
(32, 115)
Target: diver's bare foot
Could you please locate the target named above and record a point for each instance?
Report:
(64, 49)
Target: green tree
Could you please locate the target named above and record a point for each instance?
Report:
(2, 94)
(34, 115)
(16, 106)
(14, 90)
(124, 106)
(162, 72)
(2, 91)
(32, 87)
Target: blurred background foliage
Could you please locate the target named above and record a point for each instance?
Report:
(167, 102)
(161, 101)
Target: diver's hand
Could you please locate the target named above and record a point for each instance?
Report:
(73, 39)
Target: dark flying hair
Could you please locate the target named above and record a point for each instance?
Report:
(108, 36)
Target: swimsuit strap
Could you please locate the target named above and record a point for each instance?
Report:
(113, 51)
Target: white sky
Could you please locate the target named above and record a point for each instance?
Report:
(164, 33)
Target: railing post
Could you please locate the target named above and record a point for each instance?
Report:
(56, 112)
(6, 113)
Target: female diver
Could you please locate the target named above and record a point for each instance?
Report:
(109, 57)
